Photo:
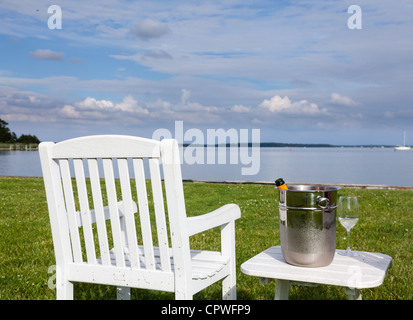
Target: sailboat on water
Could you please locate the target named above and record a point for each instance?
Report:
(403, 147)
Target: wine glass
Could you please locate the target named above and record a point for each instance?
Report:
(348, 215)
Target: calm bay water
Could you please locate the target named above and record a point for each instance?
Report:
(382, 166)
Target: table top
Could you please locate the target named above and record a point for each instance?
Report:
(366, 270)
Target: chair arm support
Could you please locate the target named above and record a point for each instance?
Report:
(216, 218)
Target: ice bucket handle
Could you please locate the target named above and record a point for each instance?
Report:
(323, 202)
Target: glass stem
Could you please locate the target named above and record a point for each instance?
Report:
(348, 241)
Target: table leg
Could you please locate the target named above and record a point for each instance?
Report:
(264, 280)
(123, 293)
(353, 293)
(282, 289)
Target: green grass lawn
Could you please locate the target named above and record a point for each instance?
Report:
(385, 225)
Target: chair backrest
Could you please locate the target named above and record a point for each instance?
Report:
(107, 173)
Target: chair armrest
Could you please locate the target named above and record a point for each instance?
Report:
(216, 218)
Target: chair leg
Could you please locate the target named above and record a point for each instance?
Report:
(64, 289)
(122, 293)
(229, 287)
(183, 296)
(229, 283)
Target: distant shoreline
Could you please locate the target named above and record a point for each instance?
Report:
(290, 145)
(21, 146)
(18, 146)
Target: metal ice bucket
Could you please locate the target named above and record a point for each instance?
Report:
(308, 224)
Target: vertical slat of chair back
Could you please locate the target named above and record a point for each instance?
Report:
(117, 235)
(95, 184)
(85, 211)
(129, 225)
(93, 161)
(159, 208)
(71, 210)
(144, 213)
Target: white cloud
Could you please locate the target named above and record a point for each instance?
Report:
(284, 105)
(276, 103)
(342, 100)
(130, 104)
(99, 107)
(46, 54)
(157, 54)
(149, 29)
(129, 111)
(240, 108)
(70, 112)
(24, 117)
(93, 104)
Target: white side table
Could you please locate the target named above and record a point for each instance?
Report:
(366, 270)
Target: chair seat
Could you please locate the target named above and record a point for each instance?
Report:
(205, 264)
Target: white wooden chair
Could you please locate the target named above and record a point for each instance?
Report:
(140, 258)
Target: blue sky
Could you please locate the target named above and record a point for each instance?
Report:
(292, 69)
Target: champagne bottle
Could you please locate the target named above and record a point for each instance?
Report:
(281, 184)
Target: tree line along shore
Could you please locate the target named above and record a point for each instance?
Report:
(9, 139)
